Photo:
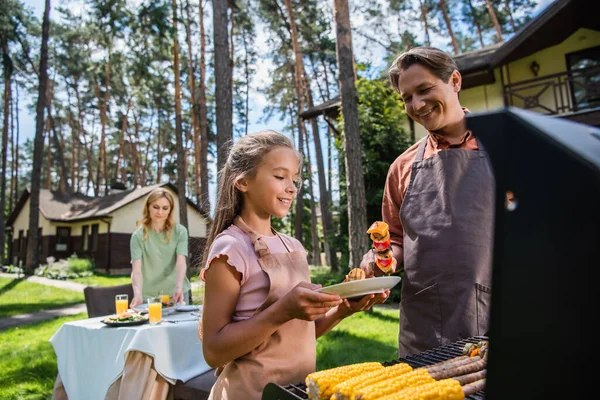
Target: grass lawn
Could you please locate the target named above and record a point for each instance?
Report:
(18, 296)
(359, 338)
(99, 279)
(27, 360)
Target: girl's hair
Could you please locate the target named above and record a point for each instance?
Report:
(245, 156)
(146, 220)
(435, 60)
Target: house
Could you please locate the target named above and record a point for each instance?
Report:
(98, 228)
(551, 66)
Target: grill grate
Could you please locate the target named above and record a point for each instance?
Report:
(442, 353)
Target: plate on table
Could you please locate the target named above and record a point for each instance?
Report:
(362, 287)
(130, 319)
(187, 308)
(143, 309)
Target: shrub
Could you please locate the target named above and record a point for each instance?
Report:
(78, 265)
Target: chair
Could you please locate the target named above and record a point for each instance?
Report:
(197, 388)
(100, 300)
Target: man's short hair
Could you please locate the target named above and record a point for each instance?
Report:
(435, 60)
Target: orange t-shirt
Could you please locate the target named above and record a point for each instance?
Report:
(398, 179)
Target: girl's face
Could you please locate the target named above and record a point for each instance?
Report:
(273, 189)
(159, 210)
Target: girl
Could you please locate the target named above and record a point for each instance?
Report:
(261, 315)
(159, 248)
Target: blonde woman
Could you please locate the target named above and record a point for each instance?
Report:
(159, 248)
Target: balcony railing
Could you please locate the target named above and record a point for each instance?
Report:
(571, 91)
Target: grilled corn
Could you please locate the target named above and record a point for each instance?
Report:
(445, 389)
(415, 378)
(345, 390)
(320, 384)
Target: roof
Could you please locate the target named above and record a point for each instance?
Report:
(62, 207)
(554, 24)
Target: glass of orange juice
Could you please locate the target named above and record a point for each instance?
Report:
(165, 298)
(121, 303)
(155, 310)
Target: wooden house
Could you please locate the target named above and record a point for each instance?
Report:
(551, 66)
(98, 228)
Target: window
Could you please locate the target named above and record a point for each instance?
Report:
(63, 234)
(85, 237)
(95, 237)
(584, 69)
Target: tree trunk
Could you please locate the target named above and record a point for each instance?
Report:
(122, 144)
(135, 168)
(7, 93)
(32, 259)
(103, 107)
(494, 19)
(13, 182)
(195, 114)
(204, 201)
(299, 80)
(316, 247)
(510, 15)
(324, 194)
(449, 26)
(16, 159)
(83, 135)
(355, 186)
(423, 7)
(223, 95)
(159, 155)
(55, 140)
(181, 172)
(48, 156)
(476, 22)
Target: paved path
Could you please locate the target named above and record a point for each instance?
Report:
(77, 287)
(23, 319)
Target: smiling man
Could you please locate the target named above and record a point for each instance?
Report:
(439, 204)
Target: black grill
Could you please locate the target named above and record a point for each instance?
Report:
(298, 391)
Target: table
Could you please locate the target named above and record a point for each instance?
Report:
(91, 356)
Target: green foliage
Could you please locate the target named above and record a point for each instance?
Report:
(79, 265)
(73, 267)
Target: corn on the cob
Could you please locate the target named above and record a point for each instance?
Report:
(417, 377)
(446, 389)
(346, 389)
(320, 384)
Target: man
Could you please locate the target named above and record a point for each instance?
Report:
(439, 204)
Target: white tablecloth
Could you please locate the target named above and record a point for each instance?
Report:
(91, 355)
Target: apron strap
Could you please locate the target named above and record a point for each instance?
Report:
(260, 246)
(421, 150)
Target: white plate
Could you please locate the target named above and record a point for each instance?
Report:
(187, 308)
(362, 287)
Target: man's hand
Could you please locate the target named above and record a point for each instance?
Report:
(367, 263)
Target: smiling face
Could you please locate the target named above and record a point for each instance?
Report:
(159, 210)
(429, 100)
(271, 191)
